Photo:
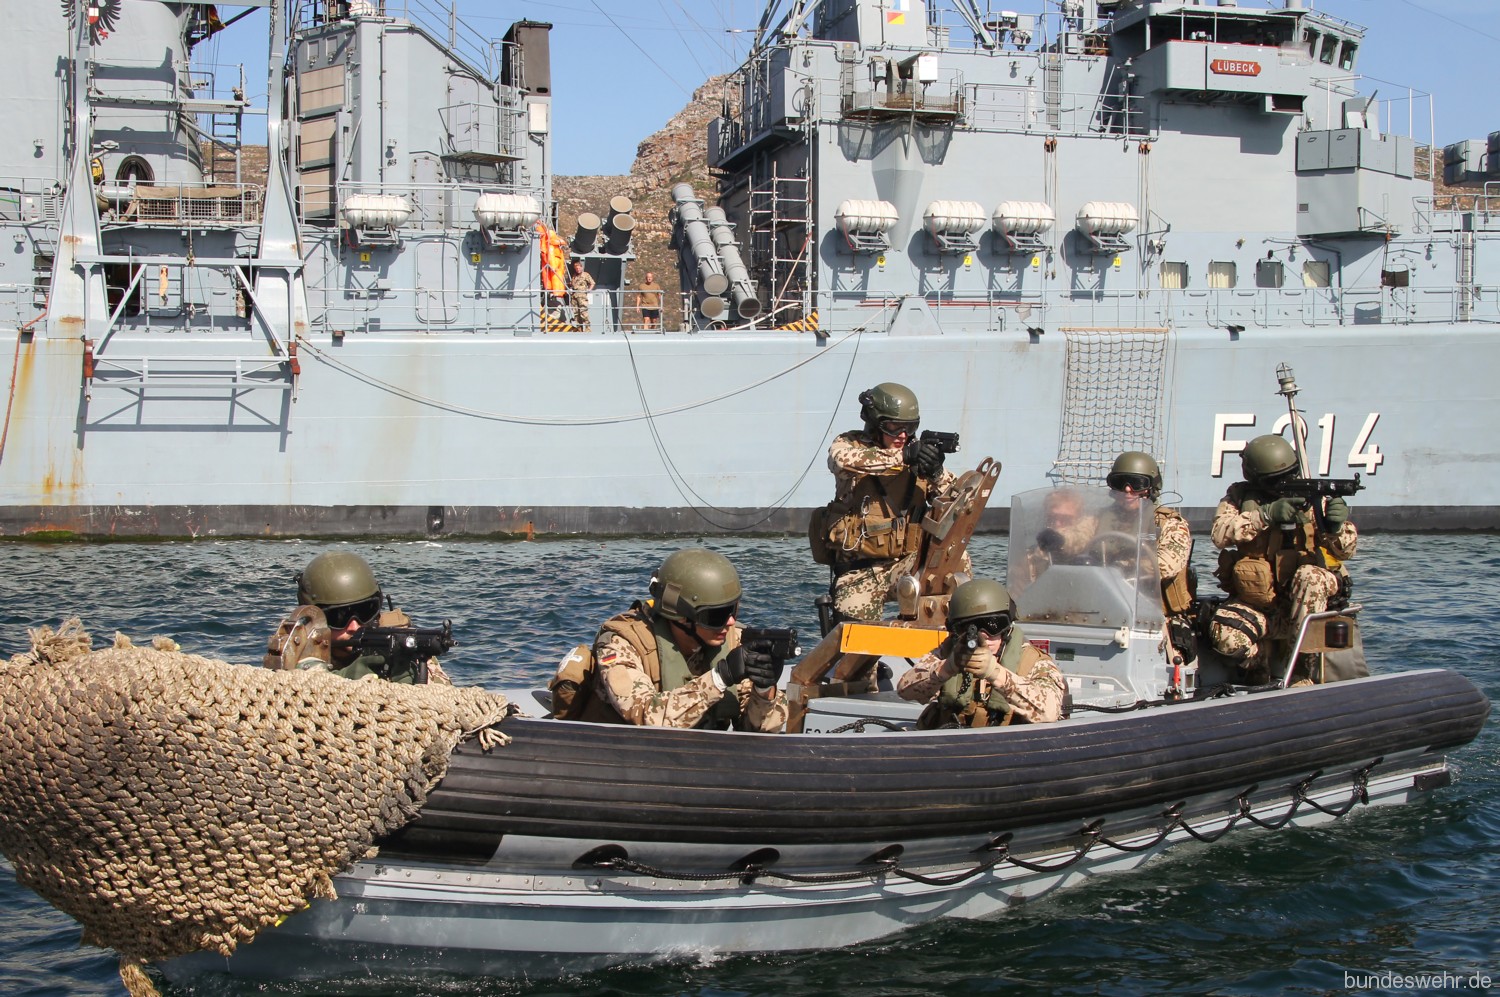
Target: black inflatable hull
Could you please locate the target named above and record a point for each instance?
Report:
(594, 782)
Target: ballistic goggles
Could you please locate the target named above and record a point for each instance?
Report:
(1134, 482)
(364, 611)
(895, 427)
(993, 625)
(715, 617)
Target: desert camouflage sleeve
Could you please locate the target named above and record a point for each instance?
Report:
(761, 714)
(1039, 696)
(1341, 543)
(1233, 526)
(851, 457)
(623, 682)
(1174, 543)
(923, 680)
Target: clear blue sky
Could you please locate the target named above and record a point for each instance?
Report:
(622, 68)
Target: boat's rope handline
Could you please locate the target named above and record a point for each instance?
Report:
(1207, 692)
(613, 420)
(679, 479)
(998, 849)
(858, 726)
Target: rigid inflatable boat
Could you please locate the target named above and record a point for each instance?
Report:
(581, 846)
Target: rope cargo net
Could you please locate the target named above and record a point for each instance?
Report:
(173, 803)
(1112, 400)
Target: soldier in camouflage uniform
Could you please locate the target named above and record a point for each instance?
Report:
(677, 660)
(1064, 537)
(1280, 561)
(1003, 679)
(579, 286)
(337, 595)
(1136, 476)
(884, 480)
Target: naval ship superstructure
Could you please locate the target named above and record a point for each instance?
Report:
(1072, 232)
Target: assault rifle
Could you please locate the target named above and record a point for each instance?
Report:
(778, 642)
(1317, 488)
(968, 642)
(404, 646)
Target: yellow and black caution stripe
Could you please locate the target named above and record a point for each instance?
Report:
(808, 324)
(556, 323)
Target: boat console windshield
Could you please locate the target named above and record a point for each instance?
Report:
(1083, 555)
(1083, 572)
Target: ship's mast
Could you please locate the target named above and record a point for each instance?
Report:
(280, 289)
(76, 305)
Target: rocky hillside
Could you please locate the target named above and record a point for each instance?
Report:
(678, 153)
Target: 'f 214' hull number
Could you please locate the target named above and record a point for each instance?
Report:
(1363, 455)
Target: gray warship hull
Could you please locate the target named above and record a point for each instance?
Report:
(367, 342)
(742, 448)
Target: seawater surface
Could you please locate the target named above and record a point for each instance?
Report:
(1372, 903)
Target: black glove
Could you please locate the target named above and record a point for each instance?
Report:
(1050, 541)
(926, 459)
(732, 668)
(762, 668)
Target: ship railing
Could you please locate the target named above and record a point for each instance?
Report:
(440, 21)
(998, 309)
(941, 99)
(1011, 108)
(1404, 111)
(176, 204)
(1457, 212)
(486, 133)
(30, 200)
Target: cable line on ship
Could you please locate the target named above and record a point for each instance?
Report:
(679, 480)
(446, 406)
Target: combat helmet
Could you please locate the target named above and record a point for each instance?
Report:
(889, 401)
(340, 580)
(1267, 458)
(981, 599)
(696, 586)
(1138, 469)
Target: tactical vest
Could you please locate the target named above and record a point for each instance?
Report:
(973, 702)
(879, 520)
(1259, 570)
(575, 695)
